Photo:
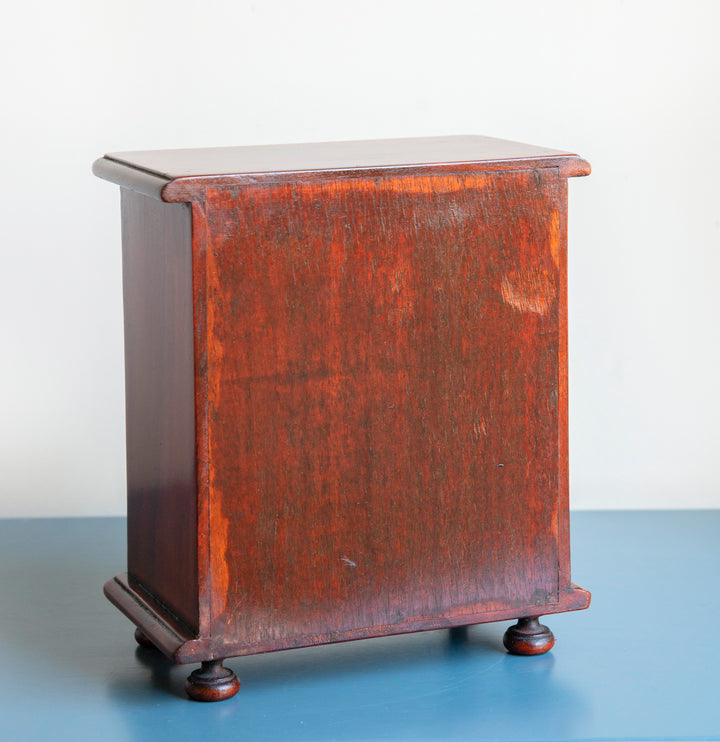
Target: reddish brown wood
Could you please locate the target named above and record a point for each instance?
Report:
(182, 647)
(172, 638)
(143, 640)
(212, 682)
(528, 637)
(340, 157)
(160, 405)
(383, 383)
(347, 393)
(183, 175)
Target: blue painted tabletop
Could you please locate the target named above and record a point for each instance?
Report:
(642, 663)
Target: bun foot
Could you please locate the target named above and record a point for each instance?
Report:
(212, 682)
(142, 639)
(528, 637)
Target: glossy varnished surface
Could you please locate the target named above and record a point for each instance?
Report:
(183, 175)
(379, 153)
(383, 397)
(347, 392)
(639, 665)
(160, 403)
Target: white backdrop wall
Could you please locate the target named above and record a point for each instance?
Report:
(631, 86)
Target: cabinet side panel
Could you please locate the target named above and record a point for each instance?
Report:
(563, 427)
(160, 403)
(384, 403)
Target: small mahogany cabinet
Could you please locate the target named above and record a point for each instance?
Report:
(346, 376)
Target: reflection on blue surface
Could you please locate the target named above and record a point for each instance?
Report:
(632, 666)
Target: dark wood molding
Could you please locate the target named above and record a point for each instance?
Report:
(130, 178)
(183, 175)
(162, 632)
(161, 629)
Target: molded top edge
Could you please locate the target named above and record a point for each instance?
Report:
(196, 167)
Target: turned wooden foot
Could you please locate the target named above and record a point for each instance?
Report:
(528, 637)
(212, 682)
(142, 639)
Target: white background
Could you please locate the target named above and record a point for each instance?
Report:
(631, 86)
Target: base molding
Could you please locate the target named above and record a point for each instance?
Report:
(167, 636)
(174, 641)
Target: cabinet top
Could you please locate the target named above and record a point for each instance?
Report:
(183, 174)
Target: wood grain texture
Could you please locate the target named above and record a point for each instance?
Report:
(335, 156)
(346, 393)
(170, 636)
(183, 647)
(383, 391)
(160, 404)
(183, 175)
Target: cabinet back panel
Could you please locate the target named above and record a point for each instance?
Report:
(383, 401)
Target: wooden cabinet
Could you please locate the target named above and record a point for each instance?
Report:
(346, 374)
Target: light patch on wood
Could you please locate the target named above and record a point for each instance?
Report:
(555, 236)
(425, 184)
(530, 290)
(431, 184)
(219, 557)
(480, 427)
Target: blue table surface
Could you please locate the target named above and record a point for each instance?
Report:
(642, 663)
